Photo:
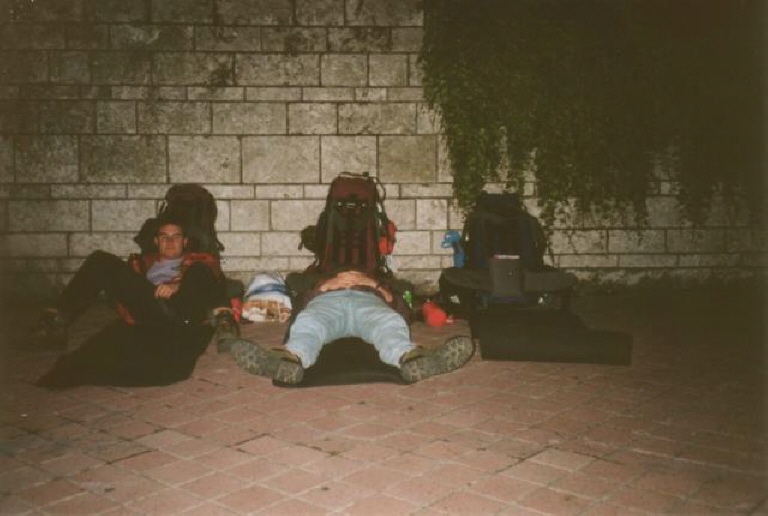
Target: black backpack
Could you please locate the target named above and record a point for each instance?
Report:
(196, 208)
(500, 225)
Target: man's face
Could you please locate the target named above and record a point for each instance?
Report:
(170, 241)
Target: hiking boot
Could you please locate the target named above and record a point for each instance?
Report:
(50, 331)
(421, 363)
(278, 364)
(226, 330)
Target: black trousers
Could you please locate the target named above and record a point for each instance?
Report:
(104, 272)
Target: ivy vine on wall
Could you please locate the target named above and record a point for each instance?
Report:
(600, 99)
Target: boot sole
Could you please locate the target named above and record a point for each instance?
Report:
(452, 354)
(259, 361)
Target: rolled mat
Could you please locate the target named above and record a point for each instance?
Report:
(546, 335)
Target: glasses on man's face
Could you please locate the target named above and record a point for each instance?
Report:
(175, 237)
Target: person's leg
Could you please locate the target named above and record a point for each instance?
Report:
(323, 320)
(198, 293)
(376, 323)
(105, 272)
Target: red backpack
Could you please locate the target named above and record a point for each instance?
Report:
(353, 231)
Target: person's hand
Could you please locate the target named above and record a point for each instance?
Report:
(166, 290)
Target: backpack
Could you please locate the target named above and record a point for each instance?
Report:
(353, 230)
(196, 207)
(500, 225)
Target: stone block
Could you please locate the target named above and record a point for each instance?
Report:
(24, 191)
(339, 154)
(299, 263)
(428, 121)
(67, 117)
(117, 10)
(238, 39)
(69, 67)
(710, 260)
(402, 213)
(249, 215)
(151, 37)
(6, 159)
(277, 70)
(395, 118)
(456, 216)
(281, 159)
(87, 36)
(123, 159)
(273, 94)
(663, 211)
(29, 245)
(249, 118)
(216, 93)
(120, 244)
(180, 11)
(18, 116)
(146, 191)
(431, 214)
(407, 39)
(405, 95)
(578, 241)
(278, 192)
(419, 262)
(636, 241)
(370, 94)
(250, 266)
(409, 191)
(390, 13)
(437, 244)
(153, 93)
(241, 243)
(587, 261)
(328, 94)
(174, 117)
(413, 242)
(88, 191)
(21, 67)
(312, 118)
(48, 215)
(204, 159)
(320, 12)
(194, 68)
(223, 220)
(294, 40)
(415, 71)
(425, 282)
(696, 240)
(231, 191)
(408, 159)
(9, 92)
(647, 260)
(255, 12)
(28, 36)
(359, 39)
(126, 67)
(388, 70)
(344, 70)
(116, 117)
(282, 243)
(746, 239)
(316, 191)
(45, 159)
(120, 215)
(295, 215)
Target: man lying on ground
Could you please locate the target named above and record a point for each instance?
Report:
(351, 303)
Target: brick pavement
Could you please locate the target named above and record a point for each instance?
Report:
(678, 432)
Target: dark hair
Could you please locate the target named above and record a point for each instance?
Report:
(170, 218)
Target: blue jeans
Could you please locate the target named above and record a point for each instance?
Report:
(349, 313)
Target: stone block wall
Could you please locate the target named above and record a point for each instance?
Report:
(106, 103)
